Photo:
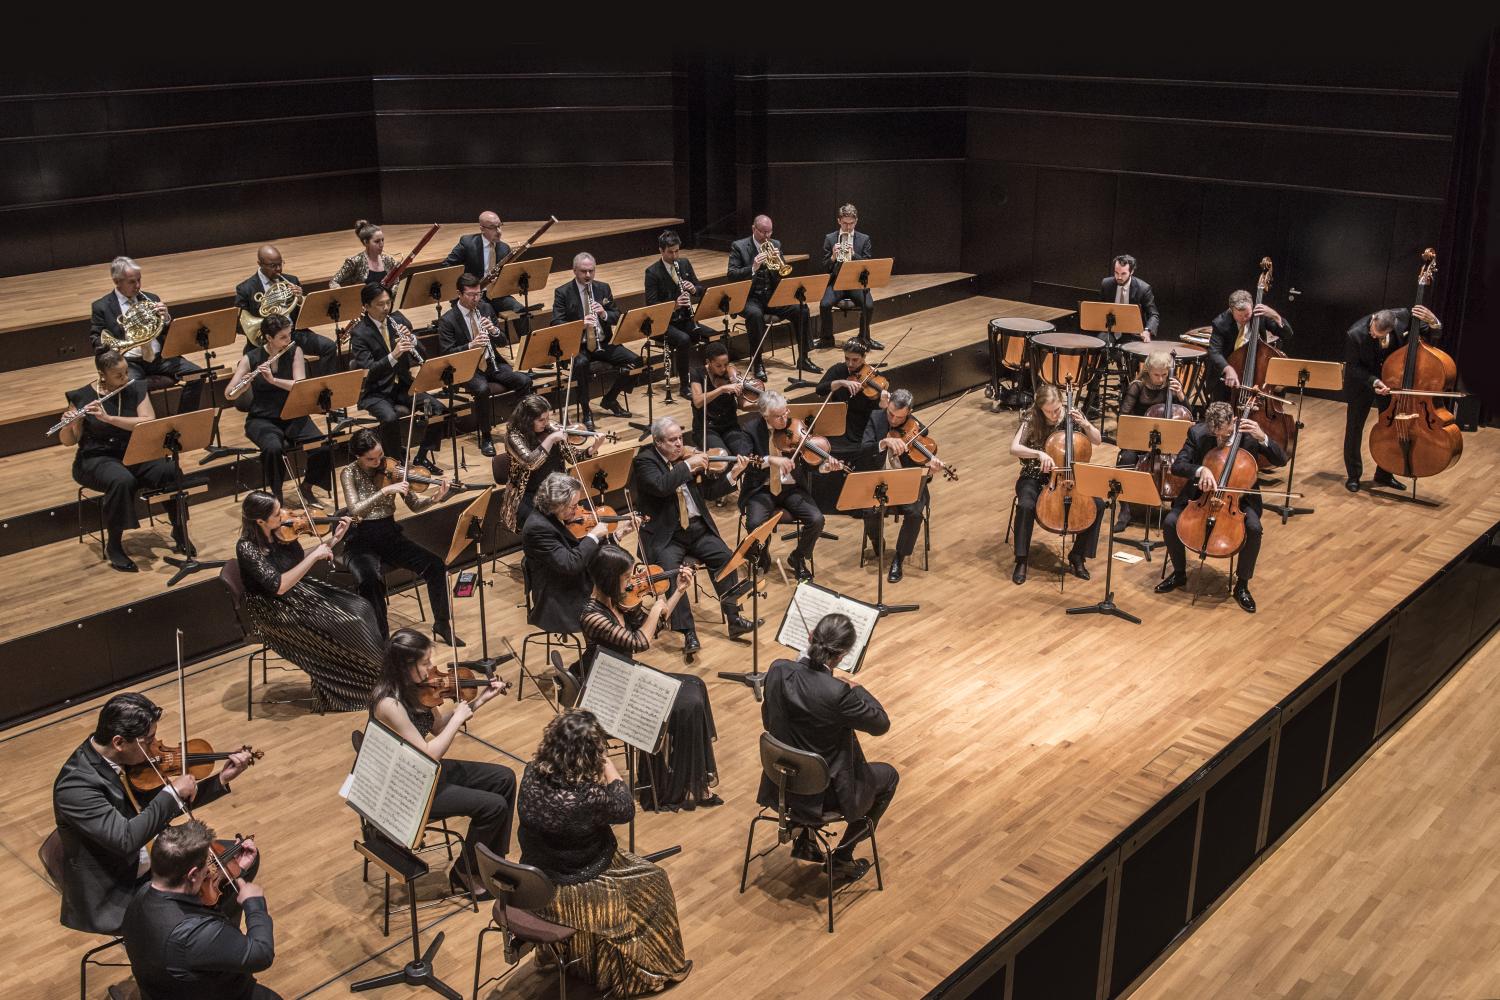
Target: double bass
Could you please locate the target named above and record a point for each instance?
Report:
(1058, 508)
(1214, 523)
(1156, 463)
(1415, 435)
(1251, 362)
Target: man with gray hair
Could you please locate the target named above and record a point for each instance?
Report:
(557, 564)
(780, 483)
(1231, 331)
(585, 299)
(1367, 345)
(144, 360)
(880, 449)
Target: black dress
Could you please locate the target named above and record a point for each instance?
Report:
(685, 768)
(328, 632)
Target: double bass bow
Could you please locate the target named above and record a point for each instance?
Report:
(1251, 362)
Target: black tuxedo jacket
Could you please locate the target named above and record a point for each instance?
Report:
(758, 480)
(105, 315)
(656, 496)
(870, 455)
(557, 574)
(102, 836)
(806, 707)
(469, 251)
(863, 249)
(567, 307)
(661, 288)
(1140, 294)
(763, 281)
(370, 352)
(1226, 331)
(1363, 355)
(1200, 441)
(182, 950)
(246, 291)
(453, 332)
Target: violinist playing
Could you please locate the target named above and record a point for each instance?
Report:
(556, 559)
(1045, 418)
(847, 382)
(885, 446)
(1214, 432)
(1146, 390)
(761, 495)
(105, 824)
(180, 946)
(537, 447)
(678, 523)
(408, 701)
(719, 395)
(1367, 345)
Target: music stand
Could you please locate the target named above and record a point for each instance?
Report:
(470, 528)
(325, 394)
(449, 371)
(755, 680)
(435, 286)
(1110, 318)
(331, 305)
(169, 437)
(796, 291)
(881, 489)
(863, 274)
(1110, 483)
(521, 277)
(646, 323)
(207, 332)
(1305, 375)
(1148, 435)
(721, 302)
(831, 423)
(606, 472)
(550, 345)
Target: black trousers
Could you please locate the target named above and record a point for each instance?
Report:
(886, 780)
(382, 541)
(1356, 411)
(119, 482)
(860, 297)
(392, 412)
(486, 385)
(1028, 489)
(1244, 564)
(622, 359)
(522, 321)
(178, 370)
(911, 524)
(732, 439)
(680, 337)
(274, 437)
(486, 793)
(799, 507)
(706, 547)
(755, 325)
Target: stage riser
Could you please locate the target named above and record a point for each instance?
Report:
(1107, 927)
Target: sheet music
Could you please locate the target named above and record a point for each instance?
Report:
(630, 700)
(392, 784)
(807, 607)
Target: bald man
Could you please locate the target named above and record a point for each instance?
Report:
(747, 262)
(477, 252)
(268, 268)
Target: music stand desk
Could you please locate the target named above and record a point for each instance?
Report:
(429, 377)
(853, 275)
(477, 510)
(794, 291)
(431, 288)
(644, 322)
(148, 440)
(832, 422)
(607, 472)
(304, 398)
(1110, 317)
(1320, 374)
(331, 306)
(537, 349)
(201, 332)
(520, 277)
(722, 301)
(1134, 434)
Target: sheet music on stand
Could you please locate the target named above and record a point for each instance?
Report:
(630, 700)
(392, 785)
(807, 607)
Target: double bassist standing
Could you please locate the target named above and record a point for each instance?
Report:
(1367, 345)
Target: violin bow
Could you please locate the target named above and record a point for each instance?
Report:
(182, 704)
(411, 425)
(301, 500)
(888, 352)
(927, 427)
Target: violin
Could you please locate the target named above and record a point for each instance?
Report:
(1057, 509)
(911, 434)
(1251, 361)
(811, 448)
(392, 471)
(722, 455)
(872, 383)
(450, 685)
(1416, 435)
(1214, 523)
(578, 435)
(645, 579)
(293, 525)
(1154, 462)
(589, 517)
(163, 763)
(223, 870)
(749, 387)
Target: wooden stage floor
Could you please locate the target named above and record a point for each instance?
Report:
(1025, 739)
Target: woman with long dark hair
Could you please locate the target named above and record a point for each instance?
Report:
(629, 942)
(537, 448)
(328, 632)
(405, 702)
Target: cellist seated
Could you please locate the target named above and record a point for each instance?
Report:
(1030, 445)
(1214, 432)
(1231, 329)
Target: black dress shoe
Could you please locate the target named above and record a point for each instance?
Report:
(711, 800)
(894, 576)
(1171, 583)
(445, 633)
(851, 869)
(690, 645)
(1018, 575)
(1123, 521)
(614, 407)
(1388, 481)
(426, 462)
(807, 849)
(760, 374)
(120, 561)
(799, 566)
(740, 625)
(487, 447)
(1352, 485)
(1078, 567)
(824, 343)
(874, 344)
(460, 886)
(808, 365)
(588, 420)
(1243, 599)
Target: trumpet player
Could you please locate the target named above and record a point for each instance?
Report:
(839, 247)
(748, 259)
(268, 271)
(585, 299)
(478, 252)
(470, 322)
(268, 373)
(672, 279)
(145, 359)
(384, 345)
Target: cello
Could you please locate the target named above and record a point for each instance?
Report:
(1415, 435)
(1251, 362)
(1154, 462)
(1056, 509)
(1214, 523)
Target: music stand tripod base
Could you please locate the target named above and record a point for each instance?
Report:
(754, 680)
(1112, 484)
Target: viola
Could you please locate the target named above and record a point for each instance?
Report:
(168, 761)
(293, 525)
(811, 448)
(871, 382)
(645, 579)
(223, 870)
(1213, 525)
(1154, 462)
(1251, 362)
(590, 517)
(1058, 509)
(923, 444)
(450, 685)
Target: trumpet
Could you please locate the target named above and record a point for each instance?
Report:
(78, 413)
(404, 333)
(141, 323)
(843, 250)
(281, 298)
(773, 259)
(239, 384)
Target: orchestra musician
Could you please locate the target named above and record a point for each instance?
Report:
(1147, 389)
(371, 264)
(1231, 329)
(537, 448)
(760, 502)
(718, 397)
(678, 523)
(1124, 288)
(370, 493)
(1214, 431)
(102, 436)
(268, 385)
(477, 252)
(383, 344)
(880, 449)
(812, 706)
(1367, 345)
(841, 385)
(269, 270)
(470, 322)
(557, 564)
(845, 243)
(662, 285)
(406, 702)
(105, 824)
(144, 360)
(181, 948)
(585, 299)
(1030, 446)
(748, 261)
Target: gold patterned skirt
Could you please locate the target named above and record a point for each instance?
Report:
(628, 942)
